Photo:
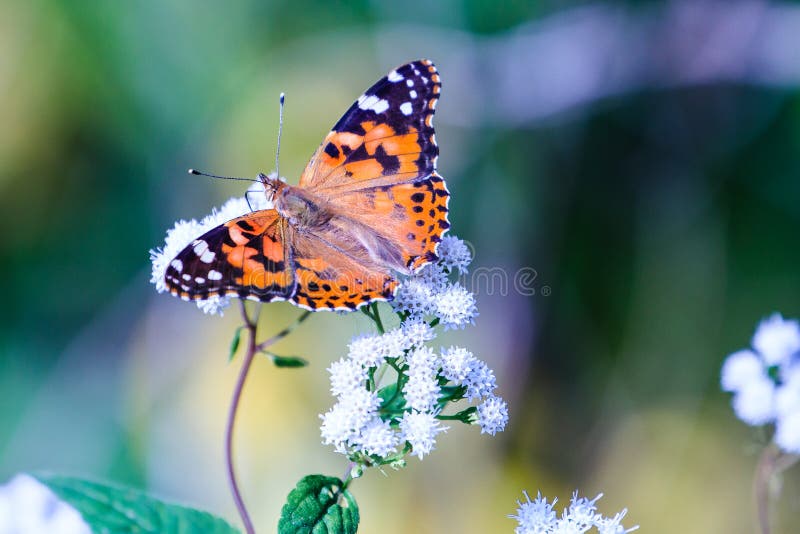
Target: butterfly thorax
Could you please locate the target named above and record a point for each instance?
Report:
(300, 207)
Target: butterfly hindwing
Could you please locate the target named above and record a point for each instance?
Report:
(385, 137)
(336, 272)
(410, 216)
(245, 257)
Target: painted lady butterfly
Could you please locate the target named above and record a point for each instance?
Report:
(369, 203)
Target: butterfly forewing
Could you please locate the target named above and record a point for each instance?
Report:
(386, 136)
(246, 257)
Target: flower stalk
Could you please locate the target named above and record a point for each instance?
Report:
(253, 348)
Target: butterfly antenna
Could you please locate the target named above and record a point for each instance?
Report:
(200, 173)
(280, 131)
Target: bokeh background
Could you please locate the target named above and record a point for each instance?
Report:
(641, 157)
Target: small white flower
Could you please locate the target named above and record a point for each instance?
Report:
(377, 438)
(613, 525)
(393, 343)
(346, 376)
(420, 430)
(28, 506)
(454, 254)
(457, 363)
(417, 332)
(777, 339)
(345, 420)
(434, 277)
(413, 296)
(455, 307)
(366, 350)
(787, 432)
(422, 360)
(480, 381)
(755, 402)
(422, 391)
(361, 405)
(337, 427)
(493, 415)
(787, 395)
(538, 517)
(214, 305)
(582, 511)
(534, 517)
(739, 369)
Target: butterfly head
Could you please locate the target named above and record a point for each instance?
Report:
(272, 184)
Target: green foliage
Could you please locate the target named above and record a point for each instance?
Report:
(391, 400)
(287, 361)
(118, 509)
(319, 505)
(237, 337)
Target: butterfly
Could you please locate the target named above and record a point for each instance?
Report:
(368, 205)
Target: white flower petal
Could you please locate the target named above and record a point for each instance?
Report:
(28, 506)
(740, 368)
(787, 432)
(777, 339)
(755, 402)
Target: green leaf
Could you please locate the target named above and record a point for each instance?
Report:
(391, 400)
(237, 337)
(288, 361)
(107, 508)
(319, 505)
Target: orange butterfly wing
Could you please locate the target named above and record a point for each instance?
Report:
(378, 164)
(336, 272)
(246, 257)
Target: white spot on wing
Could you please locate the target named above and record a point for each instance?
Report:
(214, 275)
(200, 280)
(187, 277)
(200, 246)
(177, 265)
(394, 76)
(381, 106)
(201, 249)
(406, 108)
(412, 94)
(410, 83)
(373, 103)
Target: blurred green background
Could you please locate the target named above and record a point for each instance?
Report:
(641, 157)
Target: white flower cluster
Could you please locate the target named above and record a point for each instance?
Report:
(407, 410)
(184, 232)
(430, 292)
(765, 381)
(538, 517)
(28, 506)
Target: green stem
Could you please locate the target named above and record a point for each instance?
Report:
(377, 317)
(455, 417)
(251, 324)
